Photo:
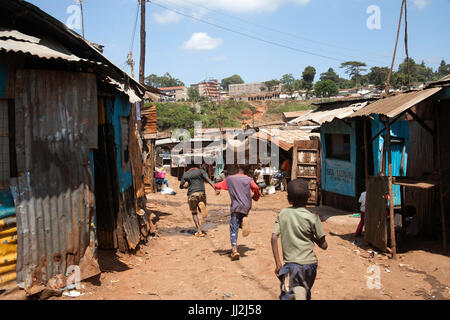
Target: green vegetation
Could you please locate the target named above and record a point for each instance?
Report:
(326, 88)
(172, 115)
(278, 107)
(234, 79)
(164, 81)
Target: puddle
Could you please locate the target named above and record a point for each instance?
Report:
(215, 218)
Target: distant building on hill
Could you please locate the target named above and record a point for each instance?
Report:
(173, 93)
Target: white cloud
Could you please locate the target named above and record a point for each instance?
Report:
(421, 3)
(166, 17)
(202, 41)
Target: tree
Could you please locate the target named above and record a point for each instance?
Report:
(164, 81)
(354, 69)
(378, 76)
(308, 77)
(326, 88)
(288, 82)
(330, 75)
(234, 79)
(298, 84)
(193, 94)
(443, 70)
(271, 84)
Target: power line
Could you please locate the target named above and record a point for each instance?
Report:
(249, 36)
(133, 34)
(284, 32)
(264, 35)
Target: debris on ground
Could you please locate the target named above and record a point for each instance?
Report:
(72, 293)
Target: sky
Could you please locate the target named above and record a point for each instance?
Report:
(259, 39)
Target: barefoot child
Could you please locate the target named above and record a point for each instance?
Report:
(299, 230)
(196, 177)
(239, 187)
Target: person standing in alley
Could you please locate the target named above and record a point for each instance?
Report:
(196, 178)
(299, 229)
(239, 187)
(362, 210)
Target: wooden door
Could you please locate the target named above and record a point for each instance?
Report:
(306, 165)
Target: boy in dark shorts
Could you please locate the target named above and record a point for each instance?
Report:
(299, 230)
(196, 177)
(239, 187)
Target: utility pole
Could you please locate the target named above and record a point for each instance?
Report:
(131, 63)
(142, 57)
(82, 16)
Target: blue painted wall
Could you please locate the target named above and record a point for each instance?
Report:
(338, 176)
(399, 129)
(4, 75)
(120, 108)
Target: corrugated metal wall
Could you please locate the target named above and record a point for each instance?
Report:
(56, 125)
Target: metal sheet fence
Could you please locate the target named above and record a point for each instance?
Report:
(56, 124)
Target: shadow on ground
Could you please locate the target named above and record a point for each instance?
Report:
(242, 249)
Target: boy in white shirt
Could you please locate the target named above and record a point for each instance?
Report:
(362, 200)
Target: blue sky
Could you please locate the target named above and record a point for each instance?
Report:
(192, 50)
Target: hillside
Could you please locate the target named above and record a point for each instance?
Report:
(173, 115)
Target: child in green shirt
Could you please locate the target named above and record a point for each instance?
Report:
(299, 230)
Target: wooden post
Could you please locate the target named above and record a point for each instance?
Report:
(391, 193)
(142, 57)
(294, 162)
(441, 195)
(366, 154)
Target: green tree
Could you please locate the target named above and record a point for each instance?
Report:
(164, 81)
(271, 84)
(443, 70)
(330, 75)
(308, 77)
(354, 69)
(378, 76)
(326, 88)
(193, 94)
(234, 79)
(288, 82)
(298, 84)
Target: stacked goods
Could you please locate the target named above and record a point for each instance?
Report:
(148, 116)
(8, 238)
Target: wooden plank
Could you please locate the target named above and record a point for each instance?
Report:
(375, 218)
(391, 193)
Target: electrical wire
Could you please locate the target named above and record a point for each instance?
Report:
(284, 32)
(249, 36)
(264, 35)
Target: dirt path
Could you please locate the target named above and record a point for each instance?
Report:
(177, 265)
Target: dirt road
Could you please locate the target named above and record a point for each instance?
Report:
(176, 265)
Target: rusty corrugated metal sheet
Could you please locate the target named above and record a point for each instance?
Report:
(56, 125)
(284, 138)
(322, 115)
(395, 105)
(15, 41)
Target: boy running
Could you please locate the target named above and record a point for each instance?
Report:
(196, 177)
(239, 187)
(299, 230)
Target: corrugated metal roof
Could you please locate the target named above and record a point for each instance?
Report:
(284, 138)
(322, 115)
(395, 105)
(296, 114)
